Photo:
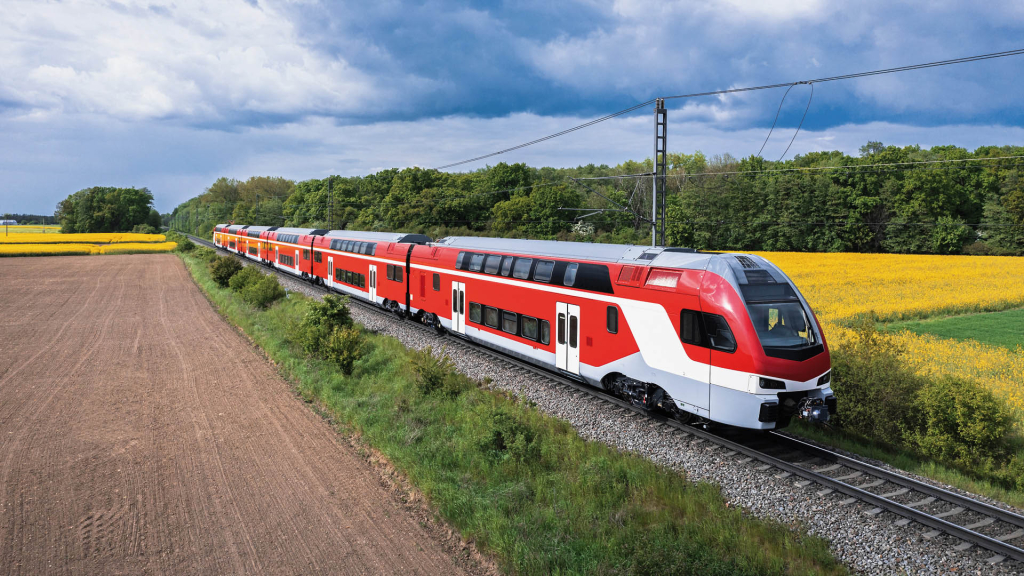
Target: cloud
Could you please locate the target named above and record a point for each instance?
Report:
(188, 59)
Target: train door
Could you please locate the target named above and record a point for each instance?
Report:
(275, 256)
(295, 263)
(330, 271)
(373, 284)
(459, 307)
(567, 342)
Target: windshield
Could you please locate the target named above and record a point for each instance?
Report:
(782, 325)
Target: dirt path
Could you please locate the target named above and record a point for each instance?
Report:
(140, 433)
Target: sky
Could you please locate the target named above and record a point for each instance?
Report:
(173, 95)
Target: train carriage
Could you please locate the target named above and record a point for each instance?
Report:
(721, 337)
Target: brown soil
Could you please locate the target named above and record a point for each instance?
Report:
(140, 433)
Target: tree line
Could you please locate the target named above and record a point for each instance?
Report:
(909, 199)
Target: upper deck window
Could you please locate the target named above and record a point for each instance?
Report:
(522, 268)
(492, 264)
(476, 262)
(543, 271)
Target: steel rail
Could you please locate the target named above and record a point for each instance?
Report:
(995, 545)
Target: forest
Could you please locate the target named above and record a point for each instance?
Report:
(944, 200)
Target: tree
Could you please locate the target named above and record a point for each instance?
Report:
(100, 209)
(870, 148)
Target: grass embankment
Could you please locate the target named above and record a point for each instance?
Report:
(521, 484)
(1005, 329)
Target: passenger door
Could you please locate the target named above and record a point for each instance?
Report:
(330, 271)
(459, 307)
(567, 340)
(373, 284)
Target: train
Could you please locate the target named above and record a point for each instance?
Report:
(704, 337)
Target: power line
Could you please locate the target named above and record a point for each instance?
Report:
(922, 66)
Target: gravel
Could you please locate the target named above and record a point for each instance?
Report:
(870, 544)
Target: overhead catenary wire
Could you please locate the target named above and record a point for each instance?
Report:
(962, 60)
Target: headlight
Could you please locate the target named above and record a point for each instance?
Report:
(770, 384)
(825, 379)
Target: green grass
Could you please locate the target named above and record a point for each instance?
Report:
(1004, 329)
(907, 460)
(572, 507)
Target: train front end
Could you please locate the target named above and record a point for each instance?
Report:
(772, 363)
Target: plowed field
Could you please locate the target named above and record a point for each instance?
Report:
(139, 433)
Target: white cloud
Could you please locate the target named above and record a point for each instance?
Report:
(187, 58)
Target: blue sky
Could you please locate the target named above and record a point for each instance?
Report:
(172, 95)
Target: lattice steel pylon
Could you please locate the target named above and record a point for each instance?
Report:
(660, 170)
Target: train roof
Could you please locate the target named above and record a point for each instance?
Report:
(380, 236)
(623, 253)
(303, 231)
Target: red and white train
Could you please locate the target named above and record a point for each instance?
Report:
(723, 337)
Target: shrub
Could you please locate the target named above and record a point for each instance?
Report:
(320, 321)
(509, 438)
(876, 390)
(244, 278)
(263, 292)
(144, 229)
(344, 346)
(185, 245)
(222, 268)
(436, 374)
(963, 423)
(205, 254)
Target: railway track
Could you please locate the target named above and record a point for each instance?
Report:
(973, 522)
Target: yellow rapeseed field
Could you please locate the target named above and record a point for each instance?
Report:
(102, 238)
(30, 228)
(82, 248)
(843, 287)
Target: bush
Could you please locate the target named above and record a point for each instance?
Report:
(510, 439)
(262, 292)
(876, 390)
(205, 254)
(344, 346)
(436, 374)
(244, 278)
(223, 268)
(963, 423)
(185, 245)
(144, 229)
(319, 322)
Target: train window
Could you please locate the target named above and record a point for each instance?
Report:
(253, 250)
(545, 332)
(570, 274)
(373, 249)
(719, 334)
(475, 312)
(522, 268)
(509, 322)
(437, 282)
(612, 320)
(455, 301)
(691, 328)
(573, 332)
(305, 254)
(317, 257)
(232, 243)
(530, 327)
(391, 272)
(398, 273)
(490, 316)
(561, 328)
(338, 275)
(362, 280)
(458, 261)
(492, 264)
(506, 266)
(543, 271)
(363, 247)
(476, 262)
(462, 302)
